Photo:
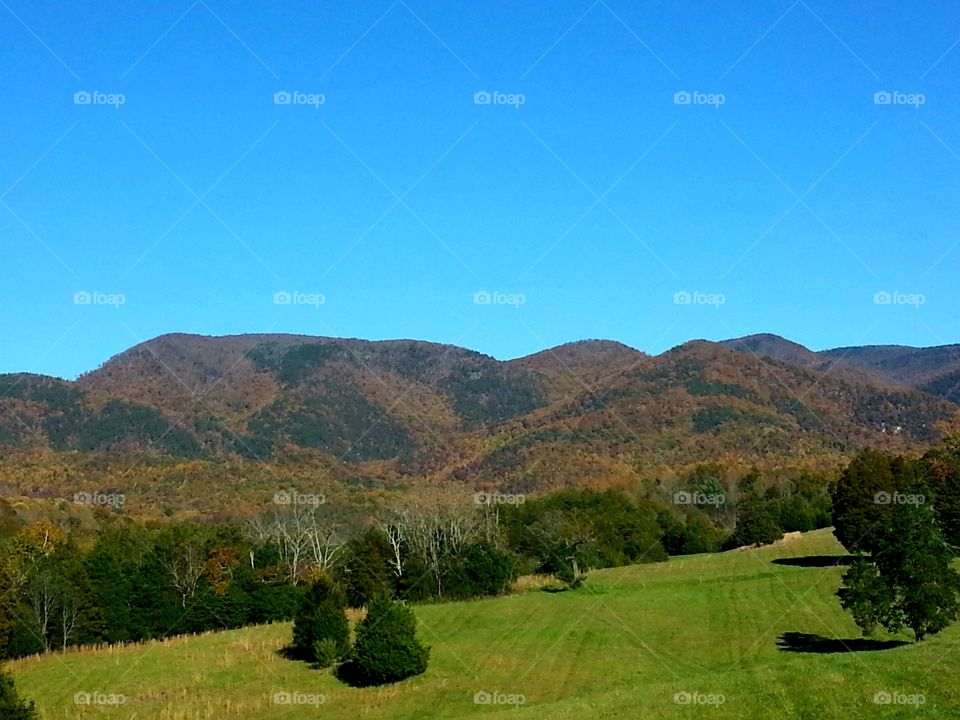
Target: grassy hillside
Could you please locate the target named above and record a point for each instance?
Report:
(737, 625)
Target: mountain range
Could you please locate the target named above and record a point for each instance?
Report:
(591, 412)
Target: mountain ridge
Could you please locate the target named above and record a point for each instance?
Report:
(593, 411)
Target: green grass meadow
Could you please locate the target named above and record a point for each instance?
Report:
(699, 636)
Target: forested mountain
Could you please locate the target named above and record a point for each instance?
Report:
(591, 413)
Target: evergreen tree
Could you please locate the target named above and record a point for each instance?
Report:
(941, 473)
(758, 522)
(321, 633)
(386, 648)
(367, 568)
(862, 499)
(11, 706)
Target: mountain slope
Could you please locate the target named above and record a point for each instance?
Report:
(697, 402)
(593, 412)
(933, 370)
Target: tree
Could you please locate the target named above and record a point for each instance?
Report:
(305, 538)
(862, 496)
(9, 596)
(386, 649)
(184, 557)
(11, 706)
(432, 527)
(757, 522)
(321, 633)
(564, 542)
(480, 569)
(369, 567)
(941, 472)
(908, 580)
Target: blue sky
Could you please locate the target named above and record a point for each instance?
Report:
(586, 198)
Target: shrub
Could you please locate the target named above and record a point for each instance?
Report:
(367, 570)
(11, 706)
(480, 569)
(386, 649)
(321, 633)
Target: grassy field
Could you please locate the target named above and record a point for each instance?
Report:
(734, 635)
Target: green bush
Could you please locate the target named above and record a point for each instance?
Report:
(480, 569)
(386, 649)
(367, 568)
(11, 706)
(321, 633)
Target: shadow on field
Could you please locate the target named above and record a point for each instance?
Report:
(809, 643)
(817, 561)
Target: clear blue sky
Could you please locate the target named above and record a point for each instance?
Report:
(398, 198)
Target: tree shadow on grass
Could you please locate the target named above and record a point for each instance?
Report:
(810, 643)
(817, 561)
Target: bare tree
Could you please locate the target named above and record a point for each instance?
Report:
(68, 615)
(44, 595)
(434, 525)
(304, 535)
(393, 529)
(185, 565)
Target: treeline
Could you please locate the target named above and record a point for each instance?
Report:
(130, 582)
(134, 583)
(712, 511)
